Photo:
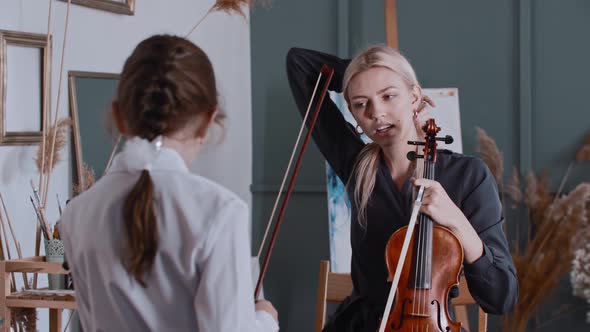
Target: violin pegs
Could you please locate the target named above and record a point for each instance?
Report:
(412, 155)
(447, 139)
(416, 143)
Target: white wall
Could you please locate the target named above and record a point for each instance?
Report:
(100, 41)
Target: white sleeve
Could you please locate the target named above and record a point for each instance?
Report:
(225, 295)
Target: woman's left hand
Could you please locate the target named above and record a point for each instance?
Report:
(437, 204)
(422, 114)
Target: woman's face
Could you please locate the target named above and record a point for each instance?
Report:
(382, 103)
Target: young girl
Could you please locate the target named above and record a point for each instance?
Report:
(385, 98)
(151, 246)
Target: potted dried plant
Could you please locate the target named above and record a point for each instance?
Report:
(561, 227)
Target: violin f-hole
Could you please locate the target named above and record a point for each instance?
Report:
(402, 314)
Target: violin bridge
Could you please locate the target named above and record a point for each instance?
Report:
(418, 315)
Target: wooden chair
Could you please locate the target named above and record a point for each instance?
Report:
(460, 304)
(332, 288)
(335, 287)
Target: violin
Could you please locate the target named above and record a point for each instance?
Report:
(422, 282)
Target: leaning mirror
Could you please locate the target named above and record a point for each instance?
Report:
(93, 136)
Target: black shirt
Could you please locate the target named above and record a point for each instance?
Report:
(468, 182)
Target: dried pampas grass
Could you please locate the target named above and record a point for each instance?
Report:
(548, 256)
(61, 138)
(582, 155)
(513, 190)
(537, 198)
(491, 155)
(560, 225)
(237, 6)
(85, 181)
(231, 6)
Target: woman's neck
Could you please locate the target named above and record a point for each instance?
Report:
(400, 167)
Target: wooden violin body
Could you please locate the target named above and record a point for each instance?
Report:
(421, 303)
(430, 258)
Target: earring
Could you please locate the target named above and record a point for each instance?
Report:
(157, 143)
(415, 114)
(358, 129)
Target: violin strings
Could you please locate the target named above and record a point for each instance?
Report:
(423, 253)
(416, 298)
(423, 269)
(419, 263)
(428, 241)
(416, 268)
(274, 209)
(422, 263)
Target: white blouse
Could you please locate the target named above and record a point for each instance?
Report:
(201, 278)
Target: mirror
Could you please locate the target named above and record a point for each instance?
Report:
(93, 136)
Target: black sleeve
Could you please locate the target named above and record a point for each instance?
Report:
(492, 278)
(335, 137)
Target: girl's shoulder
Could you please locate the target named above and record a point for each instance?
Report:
(198, 187)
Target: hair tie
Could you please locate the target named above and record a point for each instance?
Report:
(157, 143)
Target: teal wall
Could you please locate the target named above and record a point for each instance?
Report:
(291, 281)
(560, 77)
(521, 68)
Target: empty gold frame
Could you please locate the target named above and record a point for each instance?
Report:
(126, 7)
(25, 102)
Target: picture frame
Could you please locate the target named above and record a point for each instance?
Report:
(25, 66)
(126, 7)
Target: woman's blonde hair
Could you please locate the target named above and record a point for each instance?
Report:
(365, 169)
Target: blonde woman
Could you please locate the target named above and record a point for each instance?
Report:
(385, 98)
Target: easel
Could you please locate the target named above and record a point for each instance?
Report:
(391, 24)
(55, 303)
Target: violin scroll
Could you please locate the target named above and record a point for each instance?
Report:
(430, 145)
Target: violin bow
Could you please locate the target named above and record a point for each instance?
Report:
(329, 73)
(402, 258)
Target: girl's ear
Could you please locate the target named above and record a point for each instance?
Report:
(206, 123)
